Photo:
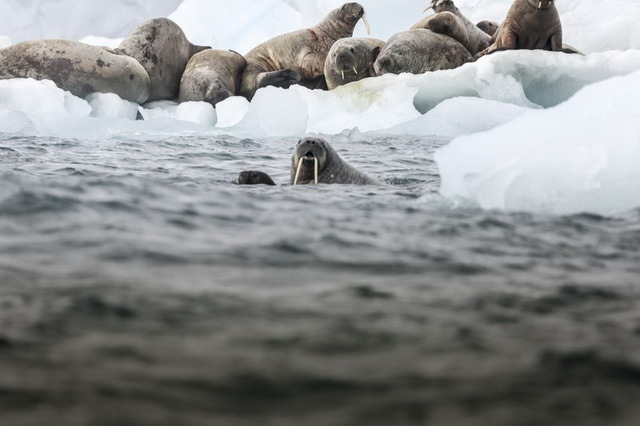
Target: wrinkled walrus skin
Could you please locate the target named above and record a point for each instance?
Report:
(77, 67)
(163, 50)
(331, 168)
(448, 20)
(530, 24)
(298, 57)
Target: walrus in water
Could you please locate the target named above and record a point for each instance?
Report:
(298, 57)
(163, 50)
(254, 177)
(530, 24)
(419, 51)
(448, 20)
(351, 59)
(315, 161)
(77, 67)
(212, 76)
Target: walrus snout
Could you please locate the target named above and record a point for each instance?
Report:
(346, 60)
(386, 64)
(217, 94)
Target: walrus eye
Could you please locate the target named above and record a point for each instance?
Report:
(353, 50)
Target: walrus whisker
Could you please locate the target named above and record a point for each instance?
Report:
(366, 23)
(316, 166)
(295, 181)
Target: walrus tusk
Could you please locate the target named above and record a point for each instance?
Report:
(295, 181)
(343, 74)
(366, 23)
(355, 70)
(431, 6)
(315, 169)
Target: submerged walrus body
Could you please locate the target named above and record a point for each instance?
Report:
(315, 161)
(77, 67)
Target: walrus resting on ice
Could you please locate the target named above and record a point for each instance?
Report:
(212, 76)
(448, 20)
(77, 67)
(298, 57)
(163, 50)
(530, 24)
(418, 51)
(315, 161)
(351, 59)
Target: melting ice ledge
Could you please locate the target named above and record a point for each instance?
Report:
(532, 130)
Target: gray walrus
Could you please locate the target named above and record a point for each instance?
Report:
(351, 59)
(163, 50)
(298, 57)
(212, 76)
(254, 177)
(489, 27)
(77, 67)
(419, 51)
(315, 161)
(530, 24)
(448, 20)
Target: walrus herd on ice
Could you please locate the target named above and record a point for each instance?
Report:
(157, 62)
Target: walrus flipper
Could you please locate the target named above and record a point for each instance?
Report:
(282, 78)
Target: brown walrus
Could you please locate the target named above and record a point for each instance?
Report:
(211, 76)
(530, 24)
(351, 59)
(163, 50)
(298, 57)
(419, 51)
(448, 20)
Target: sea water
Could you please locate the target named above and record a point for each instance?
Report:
(142, 285)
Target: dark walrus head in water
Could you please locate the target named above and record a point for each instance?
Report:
(315, 161)
(254, 177)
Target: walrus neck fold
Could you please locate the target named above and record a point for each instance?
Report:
(341, 22)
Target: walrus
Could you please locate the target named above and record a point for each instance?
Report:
(163, 50)
(254, 177)
(418, 51)
(212, 76)
(351, 59)
(530, 24)
(315, 161)
(448, 20)
(77, 67)
(489, 27)
(298, 57)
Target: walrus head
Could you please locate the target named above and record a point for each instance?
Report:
(351, 59)
(308, 160)
(254, 177)
(345, 18)
(541, 4)
(441, 6)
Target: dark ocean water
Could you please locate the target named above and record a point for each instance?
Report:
(139, 285)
